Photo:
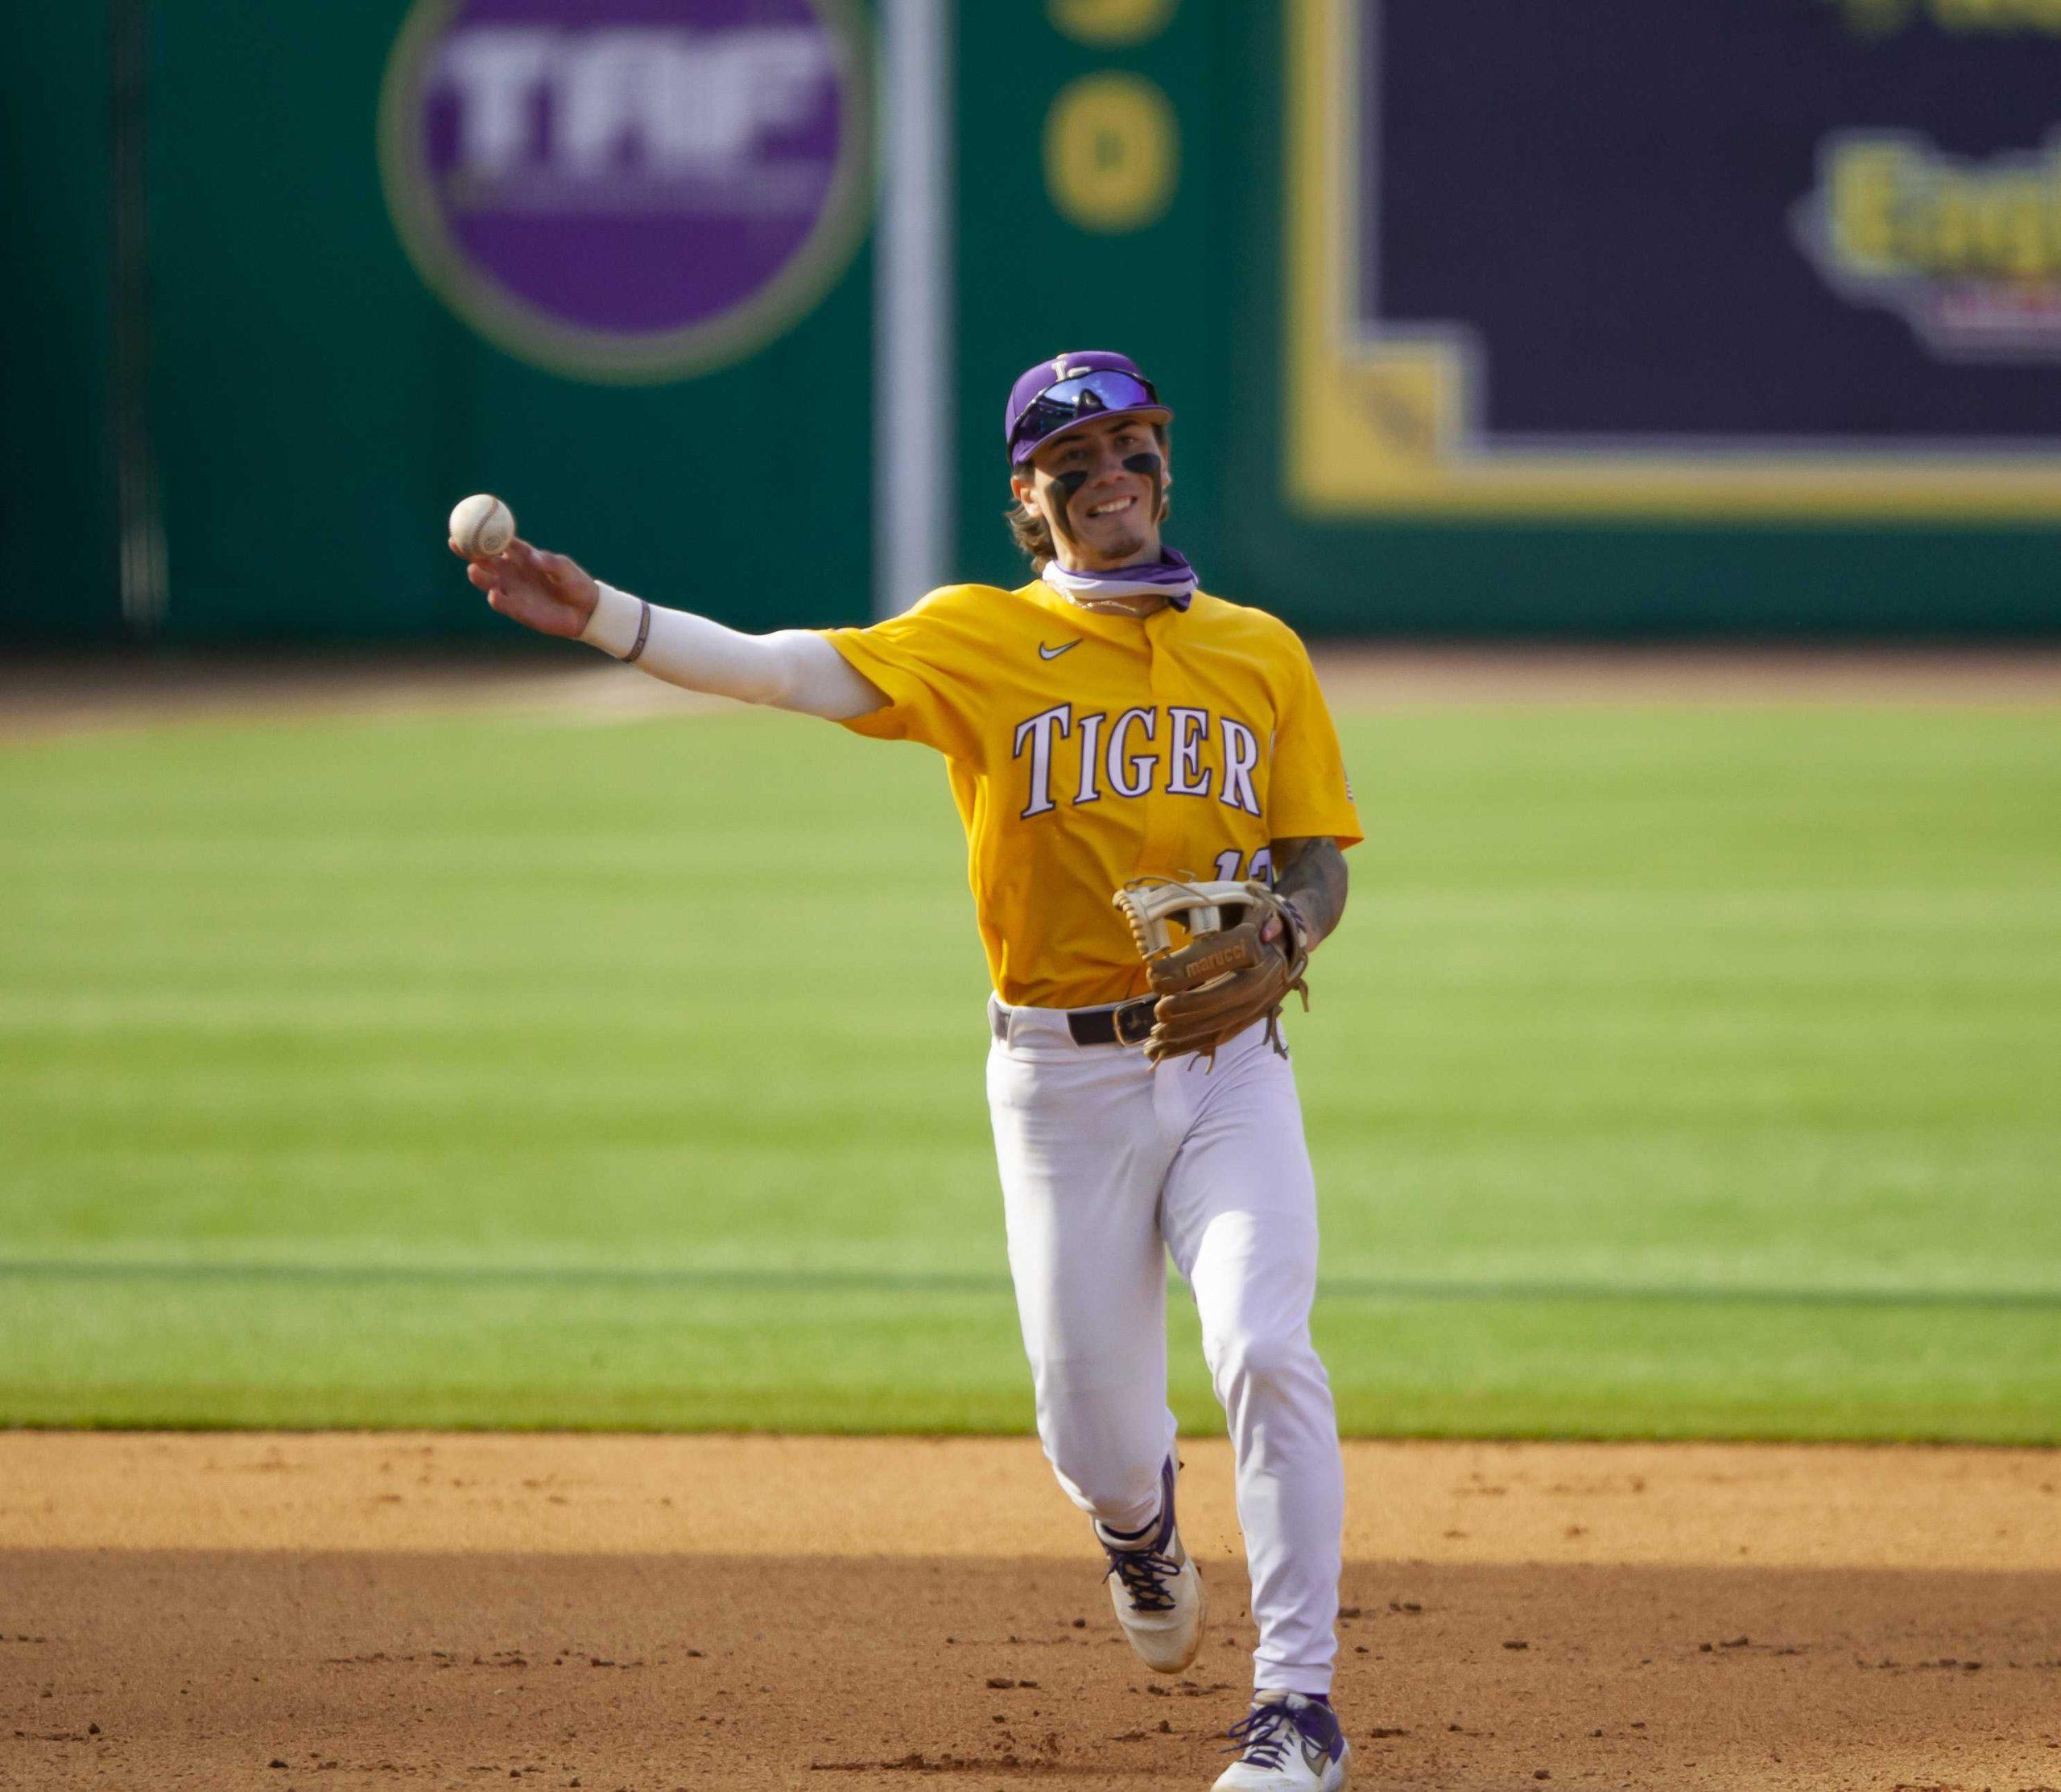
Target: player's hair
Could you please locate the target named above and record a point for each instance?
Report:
(1033, 535)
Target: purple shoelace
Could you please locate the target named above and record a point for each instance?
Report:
(1263, 1734)
(1258, 1736)
(1144, 1574)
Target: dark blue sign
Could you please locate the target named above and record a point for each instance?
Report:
(1754, 224)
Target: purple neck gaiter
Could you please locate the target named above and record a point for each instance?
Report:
(1169, 577)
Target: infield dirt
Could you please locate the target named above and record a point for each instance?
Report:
(333, 1612)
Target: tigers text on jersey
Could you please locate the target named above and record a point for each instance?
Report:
(1086, 748)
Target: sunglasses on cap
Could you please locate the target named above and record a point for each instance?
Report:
(1073, 401)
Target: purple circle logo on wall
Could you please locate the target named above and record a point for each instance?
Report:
(628, 189)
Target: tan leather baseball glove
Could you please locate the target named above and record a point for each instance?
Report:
(1218, 978)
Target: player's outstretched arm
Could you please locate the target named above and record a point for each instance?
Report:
(793, 669)
(1310, 876)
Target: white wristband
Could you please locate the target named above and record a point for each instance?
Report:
(620, 624)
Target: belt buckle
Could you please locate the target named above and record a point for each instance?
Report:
(1132, 1020)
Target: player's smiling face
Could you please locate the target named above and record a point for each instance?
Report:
(1101, 487)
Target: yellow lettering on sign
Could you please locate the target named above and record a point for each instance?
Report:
(1997, 15)
(1953, 243)
(1112, 152)
(1865, 181)
(1873, 19)
(2016, 225)
(1876, 18)
(1897, 208)
(1103, 21)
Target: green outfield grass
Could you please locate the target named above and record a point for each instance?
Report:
(1680, 1071)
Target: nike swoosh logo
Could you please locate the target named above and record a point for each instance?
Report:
(1045, 652)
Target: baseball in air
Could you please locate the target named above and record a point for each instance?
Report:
(482, 526)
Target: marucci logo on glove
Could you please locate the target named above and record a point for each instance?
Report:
(1226, 978)
(1232, 957)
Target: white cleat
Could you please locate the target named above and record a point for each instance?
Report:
(1155, 1588)
(1287, 1743)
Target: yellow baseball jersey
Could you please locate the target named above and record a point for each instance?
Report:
(1085, 749)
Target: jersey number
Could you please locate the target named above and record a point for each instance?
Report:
(1260, 871)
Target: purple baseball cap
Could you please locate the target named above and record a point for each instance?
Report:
(1058, 394)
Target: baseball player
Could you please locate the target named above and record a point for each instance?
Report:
(1107, 723)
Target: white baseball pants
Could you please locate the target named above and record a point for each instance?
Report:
(1107, 1165)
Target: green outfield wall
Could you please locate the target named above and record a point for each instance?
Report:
(1696, 322)
(56, 453)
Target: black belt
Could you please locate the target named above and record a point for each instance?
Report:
(1125, 1024)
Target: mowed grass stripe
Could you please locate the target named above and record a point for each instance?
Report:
(921, 1283)
(1659, 1045)
(620, 1356)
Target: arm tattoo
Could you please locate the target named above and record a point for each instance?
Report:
(1311, 874)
